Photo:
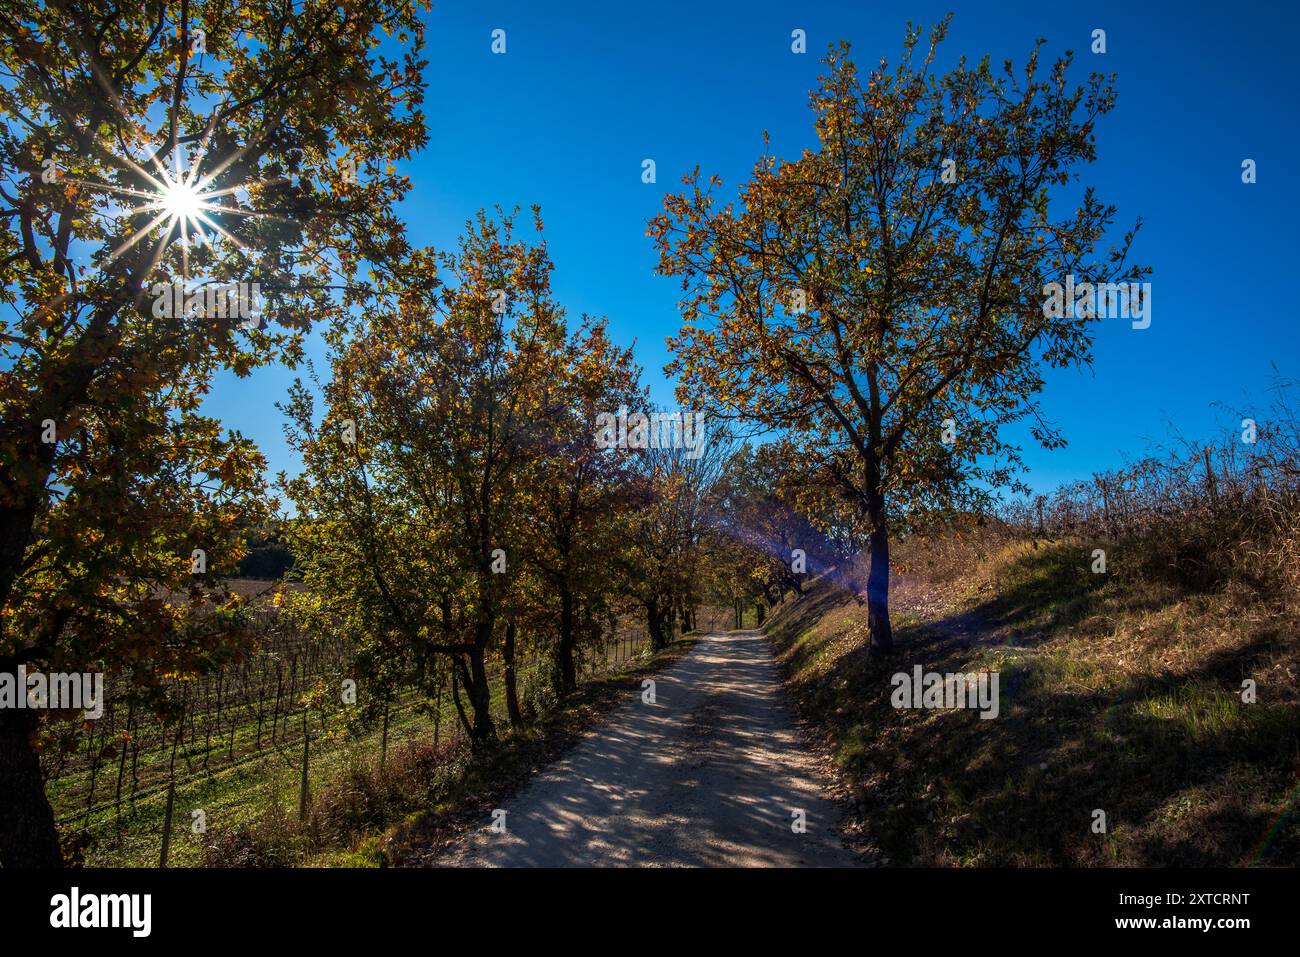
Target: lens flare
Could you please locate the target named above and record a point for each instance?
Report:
(181, 200)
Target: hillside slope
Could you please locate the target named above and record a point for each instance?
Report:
(1118, 692)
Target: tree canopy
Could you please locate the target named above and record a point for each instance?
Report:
(141, 146)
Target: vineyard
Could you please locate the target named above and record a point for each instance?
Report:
(265, 730)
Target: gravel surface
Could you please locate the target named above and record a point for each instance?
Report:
(708, 775)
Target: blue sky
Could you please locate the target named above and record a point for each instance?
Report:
(586, 91)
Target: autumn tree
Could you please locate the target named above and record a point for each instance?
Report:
(668, 524)
(415, 486)
(880, 298)
(140, 145)
(577, 491)
(759, 508)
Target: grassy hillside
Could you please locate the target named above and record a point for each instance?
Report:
(1119, 691)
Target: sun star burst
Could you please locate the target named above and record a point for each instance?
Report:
(181, 200)
(181, 204)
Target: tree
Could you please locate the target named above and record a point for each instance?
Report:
(759, 511)
(412, 497)
(667, 525)
(880, 299)
(142, 145)
(266, 555)
(577, 486)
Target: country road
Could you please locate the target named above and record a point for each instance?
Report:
(708, 775)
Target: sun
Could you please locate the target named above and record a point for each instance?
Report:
(181, 200)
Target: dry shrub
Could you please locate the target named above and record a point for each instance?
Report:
(273, 840)
(947, 552)
(1200, 517)
(367, 796)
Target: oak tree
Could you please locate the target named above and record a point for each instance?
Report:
(412, 500)
(879, 299)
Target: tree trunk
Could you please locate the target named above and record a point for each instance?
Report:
(761, 611)
(512, 693)
(564, 673)
(480, 694)
(882, 634)
(654, 617)
(455, 699)
(28, 835)
(437, 706)
(16, 522)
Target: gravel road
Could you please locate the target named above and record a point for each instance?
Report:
(708, 775)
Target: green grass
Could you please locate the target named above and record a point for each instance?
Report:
(230, 796)
(238, 794)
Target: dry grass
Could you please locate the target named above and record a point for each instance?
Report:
(1119, 692)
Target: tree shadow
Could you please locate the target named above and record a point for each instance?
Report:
(707, 774)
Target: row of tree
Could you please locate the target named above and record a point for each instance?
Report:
(874, 306)
(457, 501)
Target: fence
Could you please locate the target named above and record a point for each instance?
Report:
(1232, 478)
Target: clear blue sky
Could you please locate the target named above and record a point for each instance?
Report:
(586, 91)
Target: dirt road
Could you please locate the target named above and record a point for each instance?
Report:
(710, 774)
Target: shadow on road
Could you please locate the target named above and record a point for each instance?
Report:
(709, 774)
